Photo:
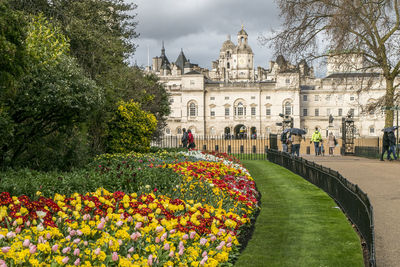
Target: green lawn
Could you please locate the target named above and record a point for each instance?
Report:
(299, 224)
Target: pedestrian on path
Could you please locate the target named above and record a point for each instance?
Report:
(296, 141)
(385, 145)
(331, 143)
(316, 138)
(185, 138)
(284, 140)
(392, 145)
(191, 145)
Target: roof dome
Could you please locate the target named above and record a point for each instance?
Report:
(228, 45)
(244, 48)
(242, 32)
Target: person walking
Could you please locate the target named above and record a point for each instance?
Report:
(392, 145)
(284, 140)
(385, 145)
(331, 143)
(296, 141)
(316, 138)
(185, 138)
(191, 140)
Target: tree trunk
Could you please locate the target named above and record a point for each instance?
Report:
(389, 98)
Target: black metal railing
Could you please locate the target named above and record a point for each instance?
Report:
(352, 200)
(367, 152)
(246, 147)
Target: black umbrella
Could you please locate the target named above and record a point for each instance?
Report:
(390, 129)
(297, 131)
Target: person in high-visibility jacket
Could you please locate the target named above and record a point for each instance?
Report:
(316, 138)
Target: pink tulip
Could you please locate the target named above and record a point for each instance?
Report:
(128, 256)
(138, 225)
(66, 250)
(100, 226)
(157, 240)
(65, 260)
(171, 254)
(203, 241)
(54, 248)
(130, 219)
(114, 256)
(72, 233)
(97, 251)
(164, 236)
(166, 246)
(180, 252)
(229, 239)
(132, 249)
(79, 233)
(122, 216)
(119, 223)
(48, 236)
(28, 223)
(10, 235)
(120, 242)
(181, 244)
(85, 243)
(68, 237)
(18, 230)
(76, 252)
(204, 254)
(192, 235)
(26, 243)
(32, 250)
(228, 245)
(150, 260)
(2, 237)
(159, 228)
(185, 237)
(203, 261)
(5, 249)
(213, 238)
(173, 231)
(77, 240)
(77, 262)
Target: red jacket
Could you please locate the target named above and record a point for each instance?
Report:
(191, 138)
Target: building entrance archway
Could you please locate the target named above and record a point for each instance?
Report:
(240, 131)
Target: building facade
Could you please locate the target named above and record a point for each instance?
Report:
(234, 97)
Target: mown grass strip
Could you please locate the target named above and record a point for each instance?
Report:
(299, 224)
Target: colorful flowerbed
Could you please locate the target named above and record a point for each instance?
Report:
(192, 221)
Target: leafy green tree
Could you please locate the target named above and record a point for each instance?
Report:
(12, 48)
(148, 91)
(131, 128)
(52, 97)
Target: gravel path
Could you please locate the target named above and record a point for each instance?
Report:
(381, 181)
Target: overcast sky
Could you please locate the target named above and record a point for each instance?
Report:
(200, 27)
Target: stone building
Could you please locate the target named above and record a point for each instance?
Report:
(234, 97)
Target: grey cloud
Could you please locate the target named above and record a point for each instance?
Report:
(201, 26)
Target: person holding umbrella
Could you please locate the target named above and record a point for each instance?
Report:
(296, 140)
(385, 145)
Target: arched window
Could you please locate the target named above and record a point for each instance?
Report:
(240, 109)
(288, 108)
(167, 131)
(192, 109)
(228, 65)
(179, 130)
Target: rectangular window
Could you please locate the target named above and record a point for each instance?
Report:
(372, 130)
(226, 111)
(212, 98)
(287, 81)
(253, 97)
(192, 82)
(226, 97)
(351, 111)
(305, 97)
(340, 112)
(171, 100)
(253, 111)
(316, 112)
(328, 98)
(316, 97)
(305, 112)
(351, 98)
(268, 97)
(268, 112)
(212, 112)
